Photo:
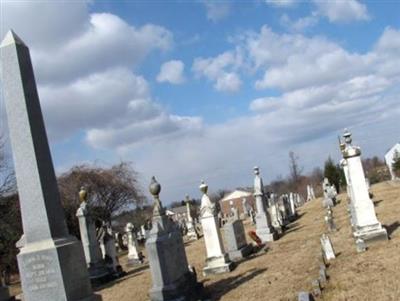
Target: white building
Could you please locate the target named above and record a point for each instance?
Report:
(389, 158)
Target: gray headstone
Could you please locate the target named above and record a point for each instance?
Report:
(51, 262)
(305, 296)
(316, 288)
(172, 279)
(235, 240)
(94, 259)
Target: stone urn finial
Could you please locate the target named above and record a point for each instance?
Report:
(83, 194)
(256, 170)
(155, 189)
(347, 137)
(203, 187)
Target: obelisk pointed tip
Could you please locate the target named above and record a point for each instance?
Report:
(11, 38)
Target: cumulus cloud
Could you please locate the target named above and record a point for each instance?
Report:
(300, 24)
(281, 3)
(99, 46)
(221, 70)
(342, 11)
(172, 72)
(217, 11)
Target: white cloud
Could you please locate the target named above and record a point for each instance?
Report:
(172, 72)
(99, 46)
(300, 24)
(281, 3)
(44, 24)
(342, 11)
(221, 70)
(216, 11)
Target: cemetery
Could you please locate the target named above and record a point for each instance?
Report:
(331, 235)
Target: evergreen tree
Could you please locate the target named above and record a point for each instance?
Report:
(396, 164)
(333, 173)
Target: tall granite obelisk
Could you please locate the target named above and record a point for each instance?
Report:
(51, 262)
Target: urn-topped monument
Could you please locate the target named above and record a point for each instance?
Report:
(264, 228)
(366, 225)
(172, 279)
(217, 260)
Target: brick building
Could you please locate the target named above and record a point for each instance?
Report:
(238, 199)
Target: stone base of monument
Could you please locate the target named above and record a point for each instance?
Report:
(185, 289)
(218, 265)
(59, 264)
(192, 234)
(371, 234)
(4, 293)
(241, 253)
(99, 274)
(266, 235)
(135, 261)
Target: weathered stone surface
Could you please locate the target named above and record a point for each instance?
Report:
(4, 293)
(366, 225)
(172, 279)
(305, 296)
(94, 260)
(327, 248)
(235, 240)
(217, 260)
(51, 262)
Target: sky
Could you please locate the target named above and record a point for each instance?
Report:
(206, 90)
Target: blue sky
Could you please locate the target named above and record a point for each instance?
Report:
(208, 89)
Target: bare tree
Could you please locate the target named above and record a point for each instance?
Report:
(110, 191)
(294, 169)
(7, 176)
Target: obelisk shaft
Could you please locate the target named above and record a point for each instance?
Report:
(51, 262)
(42, 214)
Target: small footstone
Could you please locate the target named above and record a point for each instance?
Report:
(305, 296)
(322, 275)
(316, 288)
(360, 245)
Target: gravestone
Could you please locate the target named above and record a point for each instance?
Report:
(4, 292)
(366, 225)
(275, 215)
(217, 260)
(191, 227)
(360, 245)
(316, 286)
(235, 240)
(264, 228)
(94, 260)
(327, 248)
(134, 256)
(292, 207)
(172, 279)
(305, 296)
(51, 262)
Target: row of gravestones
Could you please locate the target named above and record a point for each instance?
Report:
(365, 225)
(53, 265)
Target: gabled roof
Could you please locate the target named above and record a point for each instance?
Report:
(235, 195)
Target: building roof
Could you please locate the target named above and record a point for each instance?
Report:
(236, 195)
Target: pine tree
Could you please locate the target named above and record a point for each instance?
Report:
(333, 173)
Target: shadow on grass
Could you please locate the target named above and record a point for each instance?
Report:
(376, 203)
(132, 273)
(392, 227)
(217, 289)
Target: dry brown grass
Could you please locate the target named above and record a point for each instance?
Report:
(372, 275)
(287, 268)
(293, 261)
